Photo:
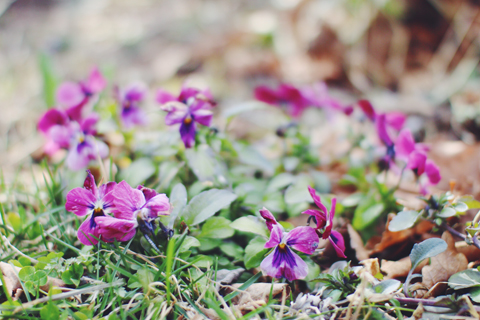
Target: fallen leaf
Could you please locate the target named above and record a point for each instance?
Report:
(443, 266)
(357, 244)
(400, 268)
(371, 266)
(225, 276)
(257, 295)
(397, 244)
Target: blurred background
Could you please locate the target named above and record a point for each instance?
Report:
(417, 56)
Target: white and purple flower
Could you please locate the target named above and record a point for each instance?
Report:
(129, 100)
(282, 261)
(190, 107)
(93, 202)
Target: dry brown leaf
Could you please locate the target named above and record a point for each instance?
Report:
(395, 244)
(400, 268)
(356, 243)
(371, 266)
(259, 293)
(471, 252)
(443, 266)
(11, 280)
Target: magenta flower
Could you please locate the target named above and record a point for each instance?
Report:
(319, 97)
(77, 137)
(54, 124)
(282, 261)
(129, 100)
(190, 107)
(285, 96)
(414, 154)
(92, 202)
(75, 96)
(324, 220)
(133, 208)
(394, 120)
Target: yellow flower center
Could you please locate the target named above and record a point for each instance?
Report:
(282, 246)
(187, 120)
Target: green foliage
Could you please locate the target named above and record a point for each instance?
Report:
(340, 281)
(255, 252)
(205, 205)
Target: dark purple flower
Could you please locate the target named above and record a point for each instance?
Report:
(190, 107)
(133, 208)
(282, 261)
(324, 220)
(92, 202)
(129, 101)
(285, 96)
(75, 96)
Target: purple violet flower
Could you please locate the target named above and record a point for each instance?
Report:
(77, 137)
(282, 261)
(92, 202)
(129, 100)
(190, 107)
(84, 147)
(75, 96)
(285, 96)
(324, 220)
(133, 208)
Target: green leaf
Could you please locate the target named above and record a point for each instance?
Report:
(447, 212)
(465, 279)
(232, 249)
(139, 171)
(254, 252)
(187, 243)
(167, 171)
(470, 202)
(217, 228)
(178, 200)
(387, 286)
(39, 278)
(207, 244)
(460, 206)
(15, 221)
(280, 181)
(353, 199)
(50, 312)
(251, 156)
(426, 249)
(26, 273)
(298, 192)
(403, 220)
(321, 181)
(206, 204)
(202, 162)
(250, 224)
(364, 217)
(475, 294)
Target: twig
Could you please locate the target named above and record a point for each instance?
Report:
(427, 302)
